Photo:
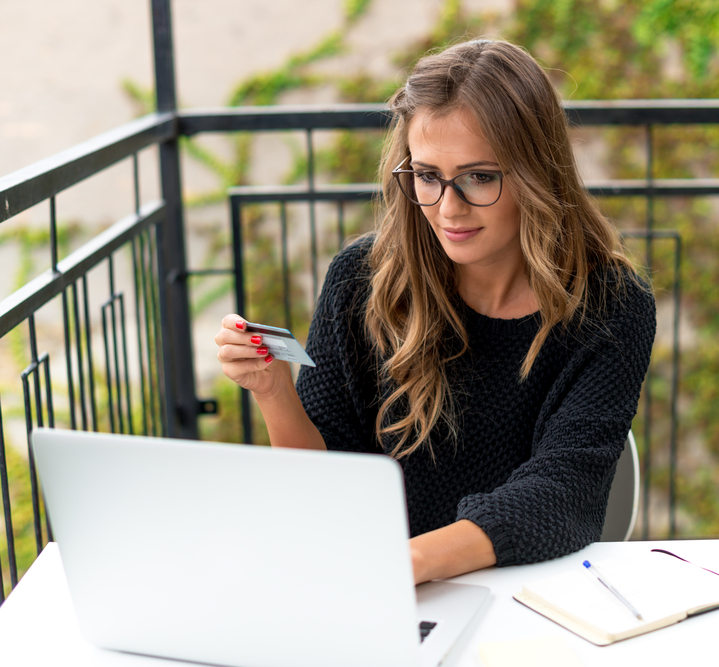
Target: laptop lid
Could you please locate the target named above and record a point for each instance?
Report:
(231, 554)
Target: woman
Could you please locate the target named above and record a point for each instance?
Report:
(491, 336)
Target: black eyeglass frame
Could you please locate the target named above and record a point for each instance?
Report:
(445, 182)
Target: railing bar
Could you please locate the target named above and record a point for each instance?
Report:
(33, 369)
(149, 324)
(313, 221)
(161, 323)
(153, 337)
(108, 369)
(283, 118)
(36, 378)
(45, 361)
(663, 187)
(116, 358)
(341, 223)
(138, 318)
(88, 344)
(591, 112)
(650, 194)
(44, 179)
(125, 364)
(674, 390)
(136, 181)
(111, 276)
(285, 266)
(53, 234)
(646, 472)
(210, 272)
(685, 187)
(310, 162)
(363, 192)
(655, 233)
(78, 350)
(7, 511)
(31, 456)
(241, 302)
(68, 361)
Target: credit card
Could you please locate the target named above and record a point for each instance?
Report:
(281, 344)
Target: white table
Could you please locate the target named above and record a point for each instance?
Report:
(38, 626)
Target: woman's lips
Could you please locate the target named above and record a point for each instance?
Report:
(459, 235)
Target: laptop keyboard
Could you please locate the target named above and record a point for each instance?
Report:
(425, 627)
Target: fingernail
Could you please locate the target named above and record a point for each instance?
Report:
(256, 340)
(240, 325)
(262, 350)
(268, 359)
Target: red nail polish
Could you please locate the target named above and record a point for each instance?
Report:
(262, 350)
(268, 359)
(240, 325)
(256, 340)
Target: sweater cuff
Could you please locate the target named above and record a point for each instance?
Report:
(502, 539)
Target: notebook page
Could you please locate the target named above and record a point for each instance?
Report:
(681, 585)
(657, 587)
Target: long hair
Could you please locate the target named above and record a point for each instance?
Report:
(410, 313)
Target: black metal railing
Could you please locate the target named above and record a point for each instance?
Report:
(130, 385)
(141, 379)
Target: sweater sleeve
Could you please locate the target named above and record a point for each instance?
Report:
(555, 503)
(339, 393)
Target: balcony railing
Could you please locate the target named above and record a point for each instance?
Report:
(141, 378)
(143, 399)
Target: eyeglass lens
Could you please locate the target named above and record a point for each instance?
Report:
(482, 188)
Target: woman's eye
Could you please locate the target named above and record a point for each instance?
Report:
(425, 177)
(481, 178)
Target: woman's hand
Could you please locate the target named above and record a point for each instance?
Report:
(446, 552)
(245, 360)
(419, 565)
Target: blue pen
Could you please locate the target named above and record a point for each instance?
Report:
(603, 580)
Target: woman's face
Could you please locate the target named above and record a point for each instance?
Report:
(474, 237)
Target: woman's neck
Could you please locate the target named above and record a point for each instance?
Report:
(501, 292)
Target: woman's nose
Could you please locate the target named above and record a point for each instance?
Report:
(451, 203)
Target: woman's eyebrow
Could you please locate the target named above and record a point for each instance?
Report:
(470, 165)
(481, 163)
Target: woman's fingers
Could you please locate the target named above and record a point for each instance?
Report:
(234, 322)
(235, 343)
(244, 367)
(237, 352)
(232, 335)
(243, 355)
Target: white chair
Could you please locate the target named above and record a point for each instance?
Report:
(623, 496)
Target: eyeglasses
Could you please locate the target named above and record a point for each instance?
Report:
(425, 188)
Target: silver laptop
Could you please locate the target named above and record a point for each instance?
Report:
(243, 556)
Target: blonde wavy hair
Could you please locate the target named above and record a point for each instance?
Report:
(410, 313)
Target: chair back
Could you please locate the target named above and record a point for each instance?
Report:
(623, 496)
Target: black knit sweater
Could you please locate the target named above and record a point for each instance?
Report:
(534, 460)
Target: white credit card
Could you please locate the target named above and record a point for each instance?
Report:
(281, 344)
